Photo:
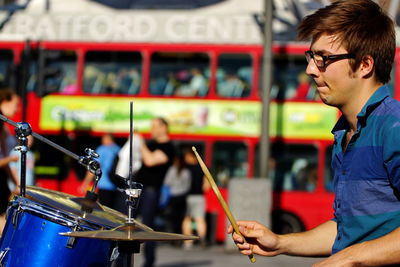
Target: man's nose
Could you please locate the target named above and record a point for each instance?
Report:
(312, 69)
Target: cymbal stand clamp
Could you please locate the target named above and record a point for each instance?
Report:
(22, 131)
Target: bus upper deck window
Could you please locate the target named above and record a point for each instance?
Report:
(111, 72)
(234, 75)
(6, 59)
(290, 82)
(179, 74)
(56, 72)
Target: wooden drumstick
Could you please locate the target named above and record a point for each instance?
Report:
(221, 199)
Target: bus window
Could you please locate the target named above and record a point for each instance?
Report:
(290, 80)
(234, 75)
(295, 167)
(182, 145)
(112, 72)
(179, 74)
(229, 161)
(6, 59)
(58, 72)
(328, 170)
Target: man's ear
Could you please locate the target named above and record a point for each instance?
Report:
(367, 66)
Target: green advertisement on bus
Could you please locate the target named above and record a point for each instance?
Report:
(234, 118)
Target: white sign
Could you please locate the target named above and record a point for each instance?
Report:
(128, 27)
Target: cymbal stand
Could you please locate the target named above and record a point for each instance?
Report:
(22, 130)
(93, 166)
(133, 192)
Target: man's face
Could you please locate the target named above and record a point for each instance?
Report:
(157, 129)
(336, 83)
(9, 108)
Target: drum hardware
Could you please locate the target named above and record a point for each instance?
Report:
(3, 254)
(34, 240)
(15, 216)
(60, 219)
(129, 236)
(71, 240)
(23, 130)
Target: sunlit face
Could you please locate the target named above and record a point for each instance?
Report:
(336, 83)
(158, 129)
(9, 108)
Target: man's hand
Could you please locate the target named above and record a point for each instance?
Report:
(260, 240)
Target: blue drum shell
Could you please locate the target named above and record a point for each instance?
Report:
(31, 238)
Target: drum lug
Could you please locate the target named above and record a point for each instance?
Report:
(3, 255)
(15, 216)
(71, 240)
(114, 255)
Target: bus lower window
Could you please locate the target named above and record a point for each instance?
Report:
(112, 72)
(229, 161)
(179, 74)
(295, 167)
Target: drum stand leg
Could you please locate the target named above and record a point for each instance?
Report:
(126, 250)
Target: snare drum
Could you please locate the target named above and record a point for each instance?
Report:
(31, 234)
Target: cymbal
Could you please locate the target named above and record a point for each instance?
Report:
(129, 232)
(72, 205)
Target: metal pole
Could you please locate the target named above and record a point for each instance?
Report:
(266, 85)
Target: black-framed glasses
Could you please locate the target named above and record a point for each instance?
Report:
(320, 61)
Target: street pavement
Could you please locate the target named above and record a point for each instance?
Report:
(217, 256)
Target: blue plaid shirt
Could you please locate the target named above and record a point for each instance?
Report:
(367, 176)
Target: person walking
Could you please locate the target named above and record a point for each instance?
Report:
(157, 156)
(177, 180)
(195, 201)
(8, 107)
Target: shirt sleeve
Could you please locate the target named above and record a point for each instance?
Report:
(391, 153)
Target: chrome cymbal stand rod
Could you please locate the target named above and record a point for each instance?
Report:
(23, 130)
(135, 189)
(89, 161)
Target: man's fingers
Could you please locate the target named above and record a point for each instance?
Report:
(237, 238)
(253, 233)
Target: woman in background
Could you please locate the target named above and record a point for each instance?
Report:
(8, 107)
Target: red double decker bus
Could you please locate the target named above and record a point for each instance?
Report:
(200, 69)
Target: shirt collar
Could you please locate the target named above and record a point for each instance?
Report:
(379, 95)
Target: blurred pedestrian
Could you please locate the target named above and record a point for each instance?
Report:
(195, 201)
(107, 151)
(177, 179)
(8, 107)
(157, 156)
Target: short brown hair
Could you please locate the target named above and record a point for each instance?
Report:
(6, 94)
(361, 26)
